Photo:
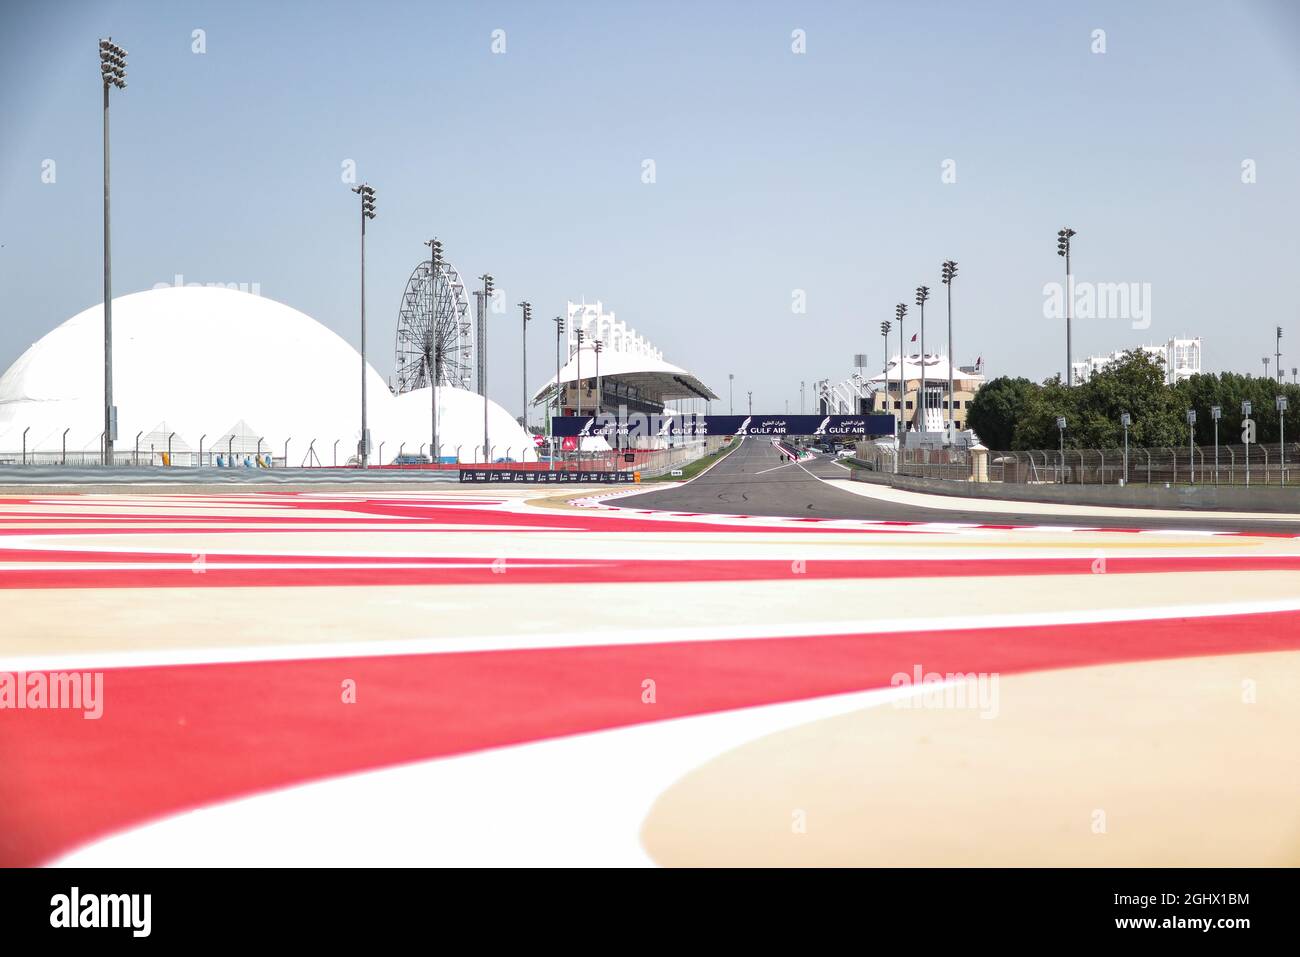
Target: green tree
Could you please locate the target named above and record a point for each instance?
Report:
(997, 407)
(1036, 428)
(1228, 390)
(1019, 415)
(1134, 384)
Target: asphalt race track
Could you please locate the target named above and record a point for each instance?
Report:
(754, 480)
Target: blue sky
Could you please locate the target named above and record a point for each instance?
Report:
(775, 172)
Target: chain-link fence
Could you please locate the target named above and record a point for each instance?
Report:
(941, 463)
(1254, 464)
(654, 462)
(261, 454)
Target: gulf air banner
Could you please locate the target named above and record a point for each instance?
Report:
(691, 425)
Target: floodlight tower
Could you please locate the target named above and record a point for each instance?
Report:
(922, 296)
(527, 309)
(559, 331)
(581, 336)
(112, 72)
(559, 407)
(489, 288)
(367, 194)
(435, 373)
(900, 312)
(1063, 237)
(949, 274)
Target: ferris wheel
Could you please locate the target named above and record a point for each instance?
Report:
(435, 339)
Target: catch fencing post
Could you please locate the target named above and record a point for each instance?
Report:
(1247, 427)
(1281, 425)
(1126, 420)
(1216, 412)
(1060, 428)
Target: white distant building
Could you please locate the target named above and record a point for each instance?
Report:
(850, 397)
(596, 323)
(633, 374)
(628, 376)
(1184, 359)
(1180, 358)
(904, 398)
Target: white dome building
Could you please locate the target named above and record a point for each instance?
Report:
(226, 368)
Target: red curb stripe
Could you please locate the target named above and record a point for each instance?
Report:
(179, 737)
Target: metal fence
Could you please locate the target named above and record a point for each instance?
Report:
(237, 454)
(649, 462)
(954, 464)
(654, 462)
(1256, 464)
